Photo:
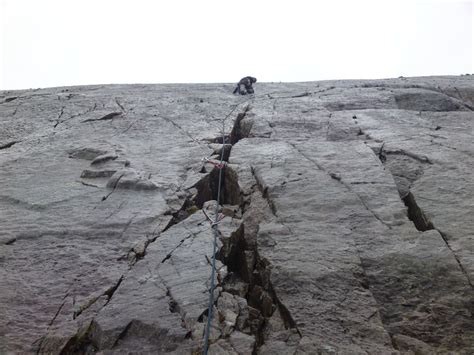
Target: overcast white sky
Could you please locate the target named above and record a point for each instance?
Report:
(47, 43)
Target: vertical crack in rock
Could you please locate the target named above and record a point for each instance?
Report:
(61, 114)
(207, 188)
(174, 308)
(128, 128)
(241, 129)
(381, 154)
(416, 215)
(423, 223)
(122, 334)
(42, 339)
(338, 178)
(15, 111)
(414, 211)
(173, 305)
(58, 119)
(58, 311)
(249, 277)
(127, 225)
(227, 149)
(111, 290)
(122, 108)
(113, 188)
(463, 270)
(244, 261)
(169, 120)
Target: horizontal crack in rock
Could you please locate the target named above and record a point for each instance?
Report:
(8, 145)
(420, 158)
(10, 99)
(108, 116)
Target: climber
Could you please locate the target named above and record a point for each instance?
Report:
(244, 86)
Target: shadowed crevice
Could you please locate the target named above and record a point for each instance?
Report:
(416, 214)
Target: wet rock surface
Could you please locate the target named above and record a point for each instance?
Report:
(346, 213)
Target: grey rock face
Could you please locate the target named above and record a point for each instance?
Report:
(346, 223)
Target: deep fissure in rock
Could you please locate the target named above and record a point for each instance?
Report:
(241, 129)
(416, 214)
(249, 277)
(225, 139)
(422, 223)
(409, 176)
(248, 274)
(207, 188)
(227, 149)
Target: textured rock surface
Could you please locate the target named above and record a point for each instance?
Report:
(348, 218)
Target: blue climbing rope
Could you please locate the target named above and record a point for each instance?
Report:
(214, 247)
